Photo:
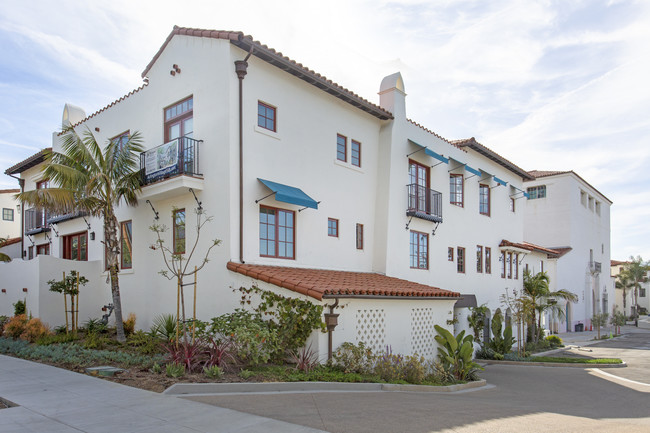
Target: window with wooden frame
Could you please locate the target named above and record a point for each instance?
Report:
(359, 232)
(178, 221)
(456, 186)
(512, 204)
(121, 139)
(535, 192)
(502, 260)
(277, 233)
(460, 260)
(30, 252)
(526, 268)
(450, 254)
(266, 116)
(75, 247)
(355, 153)
(516, 258)
(43, 249)
(509, 265)
(7, 214)
(541, 265)
(126, 250)
(488, 260)
(179, 119)
(419, 250)
(479, 259)
(333, 227)
(484, 199)
(341, 147)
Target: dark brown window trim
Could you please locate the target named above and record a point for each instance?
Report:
(275, 116)
(461, 258)
(176, 119)
(483, 187)
(276, 240)
(460, 203)
(417, 255)
(122, 244)
(359, 234)
(176, 211)
(345, 148)
(352, 143)
(335, 227)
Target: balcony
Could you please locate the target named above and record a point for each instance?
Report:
(170, 169)
(595, 267)
(424, 203)
(35, 221)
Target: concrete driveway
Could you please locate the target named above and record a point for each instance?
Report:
(520, 399)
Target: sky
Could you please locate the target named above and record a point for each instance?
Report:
(550, 85)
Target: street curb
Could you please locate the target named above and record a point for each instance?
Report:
(184, 389)
(553, 364)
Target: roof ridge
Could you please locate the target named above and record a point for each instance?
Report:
(433, 133)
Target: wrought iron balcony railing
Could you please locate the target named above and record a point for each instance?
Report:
(35, 219)
(177, 157)
(424, 203)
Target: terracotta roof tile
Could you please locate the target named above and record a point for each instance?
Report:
(11, 241)
(489, 153)
(317, 283)
(30, 162)
(9, 191)
(277, 59)
(435, 134)
(550, 252)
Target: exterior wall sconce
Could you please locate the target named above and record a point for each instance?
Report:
(4, 290)
(97, 128)
(25, 289)
(92, 236)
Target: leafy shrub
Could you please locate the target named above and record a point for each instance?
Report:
(164, 327)
(189, 355)
(175, 370)
(414, 369)
(156, 368)
(15, 326)
(213, 372)
(554, 340)
(246, 374)
(254, 342)
(437, 373)
(500, 344)
(389, 366)
(46, 340)
(95, 341)
(20, 308)
(455, 354)
(129, 324)
(305, 359)
(144, 343)
(95, 326)
(34, 329)
(353, 358)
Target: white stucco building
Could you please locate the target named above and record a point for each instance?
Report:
(10, 222)
(315, 192)
(627, 306)
(565, 212)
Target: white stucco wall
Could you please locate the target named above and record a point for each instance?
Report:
(9, 228)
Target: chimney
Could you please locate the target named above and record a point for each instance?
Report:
(392, 96)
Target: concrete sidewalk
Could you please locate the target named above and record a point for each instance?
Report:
(586, 338)
(54, 400)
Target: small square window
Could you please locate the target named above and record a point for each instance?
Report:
(341, 148)
(266, 116)
(7, 214)
(333, 227)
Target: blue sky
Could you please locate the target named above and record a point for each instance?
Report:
(551, 85)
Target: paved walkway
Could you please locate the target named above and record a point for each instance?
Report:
(53, 400)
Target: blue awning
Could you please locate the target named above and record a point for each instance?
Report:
(472, 170)
(290, 194)
(499, 181)
(431, 153)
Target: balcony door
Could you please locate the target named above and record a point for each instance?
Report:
(418, 186)
(179, 124)
(75, 247)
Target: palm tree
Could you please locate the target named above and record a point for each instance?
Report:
(85, 177)
(536, 288)
(623, 282)
(637, 272)
(3, 256)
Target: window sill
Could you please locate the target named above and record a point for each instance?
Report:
(348, 166)
(267, 132)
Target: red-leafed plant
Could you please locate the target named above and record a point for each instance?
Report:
(219, 352)
(305, 359)
(187, 353)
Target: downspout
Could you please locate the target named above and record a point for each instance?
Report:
(241, 67)
(331, 320)
(21, 183)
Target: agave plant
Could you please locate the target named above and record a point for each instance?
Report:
(455, 353)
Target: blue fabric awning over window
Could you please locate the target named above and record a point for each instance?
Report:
(290, 194)
(472, 170)
(431, 153)
(499, 181)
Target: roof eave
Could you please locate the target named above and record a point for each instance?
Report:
(28, 163)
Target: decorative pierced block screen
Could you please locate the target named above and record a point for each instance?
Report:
(422, 332)
(371, 329)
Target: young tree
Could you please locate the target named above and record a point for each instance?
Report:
(178, 263)
(599, 320)
(542, 299)
(88, 178)
(636, 271)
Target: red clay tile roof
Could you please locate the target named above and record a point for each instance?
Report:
(276, 58)
(537, 174)
(10, 241)
(617, 263)
(489, 153)
(550, 252)
(433, 133)
(8, 191)
(317, 283)
(29, 162)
